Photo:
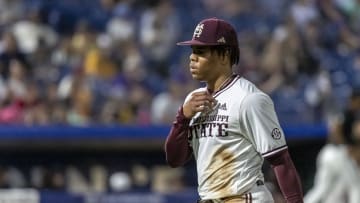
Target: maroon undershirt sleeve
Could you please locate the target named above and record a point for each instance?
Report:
(177, 148)
(287, 176)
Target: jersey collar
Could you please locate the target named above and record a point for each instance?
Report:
(225, 86)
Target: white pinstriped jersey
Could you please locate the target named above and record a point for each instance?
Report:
(230, 141)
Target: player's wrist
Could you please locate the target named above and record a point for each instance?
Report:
(186, 113)
(181, 117)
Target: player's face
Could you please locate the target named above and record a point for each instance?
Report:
(204, 63)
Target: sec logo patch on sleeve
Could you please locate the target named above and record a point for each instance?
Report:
(276, 133)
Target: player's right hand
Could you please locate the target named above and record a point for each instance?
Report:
(198, 102)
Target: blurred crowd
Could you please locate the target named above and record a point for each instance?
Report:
(78, 62)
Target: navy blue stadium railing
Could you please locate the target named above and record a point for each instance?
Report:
(130, 132)
(131, 197)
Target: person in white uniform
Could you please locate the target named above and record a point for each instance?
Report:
(229, 126)
(337, 176)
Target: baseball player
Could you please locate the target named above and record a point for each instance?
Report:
(337, 175)
(229, 126)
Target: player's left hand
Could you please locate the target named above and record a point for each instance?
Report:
(198, 102)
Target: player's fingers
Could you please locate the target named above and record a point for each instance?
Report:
(199, 98)
(199, 108)
(200, 93)
(201, 103)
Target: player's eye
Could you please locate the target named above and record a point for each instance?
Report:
(199, 51)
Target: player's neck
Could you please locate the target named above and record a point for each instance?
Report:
(219, 83)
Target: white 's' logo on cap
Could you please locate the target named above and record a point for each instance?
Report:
(198, 30)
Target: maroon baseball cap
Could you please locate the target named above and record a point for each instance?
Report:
(211, 32)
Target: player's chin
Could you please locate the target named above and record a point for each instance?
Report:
(197, 77)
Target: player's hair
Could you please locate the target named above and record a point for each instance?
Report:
(350, 119)
(350, 116)
(234, 52)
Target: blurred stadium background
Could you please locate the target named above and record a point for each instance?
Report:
(89, 88)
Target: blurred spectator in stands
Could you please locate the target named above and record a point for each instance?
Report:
(140, 100)
(116, 111)
(98, 62)
(50, 95)
(82, 40)
(318, 95)
(9, 50)
(286, 53)
(351, 11)
(54, 105)
(81, 102)
(109, 113)
(31, 30)
(133, 67)
(232, 9)
(317, 82)
(17, 80)
(248, 64)
(105, 12)
(13, 109)
(212, 6)
(12, 113)
(280, 60)
(310, 38)
(58, 113)
(303, 12)
(337, 23)
(3, 92)
(159, 29)
(355, 69)
(43, 71)
(122, 26)
(272, 9)
(336, 174)
(36, 111)
(66, 56)
(10, 11)
(165, 104)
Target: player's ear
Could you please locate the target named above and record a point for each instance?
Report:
(225, 57)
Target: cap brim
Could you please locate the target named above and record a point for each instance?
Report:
(196, 43)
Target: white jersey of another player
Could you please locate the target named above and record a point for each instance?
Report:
(230, 140)
(337, 177)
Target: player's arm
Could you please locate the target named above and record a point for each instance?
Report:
(287, 176)
(260, 121)
(177, 148)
